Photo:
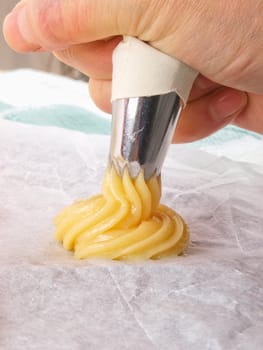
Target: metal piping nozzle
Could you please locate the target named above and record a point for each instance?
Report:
(142, 130)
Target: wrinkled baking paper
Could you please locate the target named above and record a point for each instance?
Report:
(211, 298)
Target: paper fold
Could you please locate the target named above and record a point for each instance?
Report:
(209, 299)
(141, 70)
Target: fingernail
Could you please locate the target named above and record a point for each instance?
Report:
(226, 103)
(17, 30)
(204, 83)
(25, 30)
(23, 25)
(29, 36)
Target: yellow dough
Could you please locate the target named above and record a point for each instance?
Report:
(125, 222)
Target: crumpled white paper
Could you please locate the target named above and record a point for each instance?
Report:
(212, 298)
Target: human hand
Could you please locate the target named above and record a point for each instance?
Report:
(222, 40)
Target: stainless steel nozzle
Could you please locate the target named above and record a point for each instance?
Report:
(142, 130)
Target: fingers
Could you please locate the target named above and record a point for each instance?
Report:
(93, 59)
(57, 24)
(100, 91)
(208, 114)
(202, 86)
(213, 41)
(251, 117)
(202, 117)
(100, 86)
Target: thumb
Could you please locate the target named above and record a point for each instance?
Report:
(55, 24)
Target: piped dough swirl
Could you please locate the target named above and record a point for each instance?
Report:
(125, 222)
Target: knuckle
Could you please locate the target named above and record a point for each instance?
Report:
(53, 25)
(66, 55)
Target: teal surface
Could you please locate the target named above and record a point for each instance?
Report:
(4, 107)
(64, 116)
(229, 133)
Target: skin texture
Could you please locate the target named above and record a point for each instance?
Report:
(222, 40)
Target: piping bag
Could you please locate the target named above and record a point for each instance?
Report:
(149, 91)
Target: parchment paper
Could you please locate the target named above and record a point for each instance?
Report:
(211, 298)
